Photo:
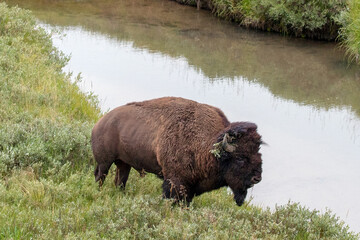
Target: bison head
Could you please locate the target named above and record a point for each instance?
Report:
(240, 159)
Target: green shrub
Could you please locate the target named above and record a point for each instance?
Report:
(298, 17)
(305, 18)
(44, 144)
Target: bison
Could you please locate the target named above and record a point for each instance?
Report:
(191, 146)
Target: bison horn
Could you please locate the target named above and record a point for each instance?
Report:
(227, 147)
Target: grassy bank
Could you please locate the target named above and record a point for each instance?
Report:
(315, 19)
(47, 189)
(44, 118)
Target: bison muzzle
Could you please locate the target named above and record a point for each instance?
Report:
(191, 146)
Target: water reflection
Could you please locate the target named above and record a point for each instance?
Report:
(303, 96)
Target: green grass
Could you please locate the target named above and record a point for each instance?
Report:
(47, 189)
(71, 206)
(350, 32)
(32, 80)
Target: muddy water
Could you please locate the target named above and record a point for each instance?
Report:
(302, 94)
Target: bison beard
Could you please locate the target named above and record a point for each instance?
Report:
(240, 197)
(192, 146)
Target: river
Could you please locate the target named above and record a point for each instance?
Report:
(302, 94)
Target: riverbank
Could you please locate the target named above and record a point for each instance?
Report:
(47, 188)
(330, 20)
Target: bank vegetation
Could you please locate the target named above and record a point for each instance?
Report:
(47, 188)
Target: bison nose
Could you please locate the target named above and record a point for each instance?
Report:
(255, 179)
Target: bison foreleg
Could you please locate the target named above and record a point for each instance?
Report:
(122, 173)
(174, 189)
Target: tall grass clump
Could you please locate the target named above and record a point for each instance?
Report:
(350, 31)
(47, 189)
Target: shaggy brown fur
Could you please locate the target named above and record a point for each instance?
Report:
(172, 138)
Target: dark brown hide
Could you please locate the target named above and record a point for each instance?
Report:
(172, 138)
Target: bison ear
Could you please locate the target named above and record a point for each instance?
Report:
(226, 143)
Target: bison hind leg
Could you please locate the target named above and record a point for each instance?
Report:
(122, 173)
(176, 190)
